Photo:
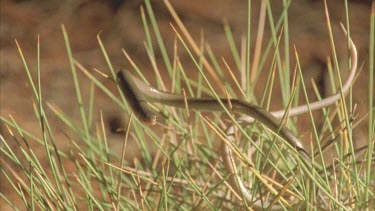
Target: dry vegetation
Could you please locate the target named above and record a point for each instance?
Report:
(120, 26)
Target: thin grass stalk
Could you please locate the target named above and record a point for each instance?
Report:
(248, 89)
(285, 28)
(160, 41)
(147, 31)
(76, 83)
(283, 73)
(346, 115)
(232, 46)
(39, 115)
(370, 177)
(258, 43)
(316, 137)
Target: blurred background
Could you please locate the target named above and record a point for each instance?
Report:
(119, 24)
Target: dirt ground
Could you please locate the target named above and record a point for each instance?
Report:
(120, 27)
